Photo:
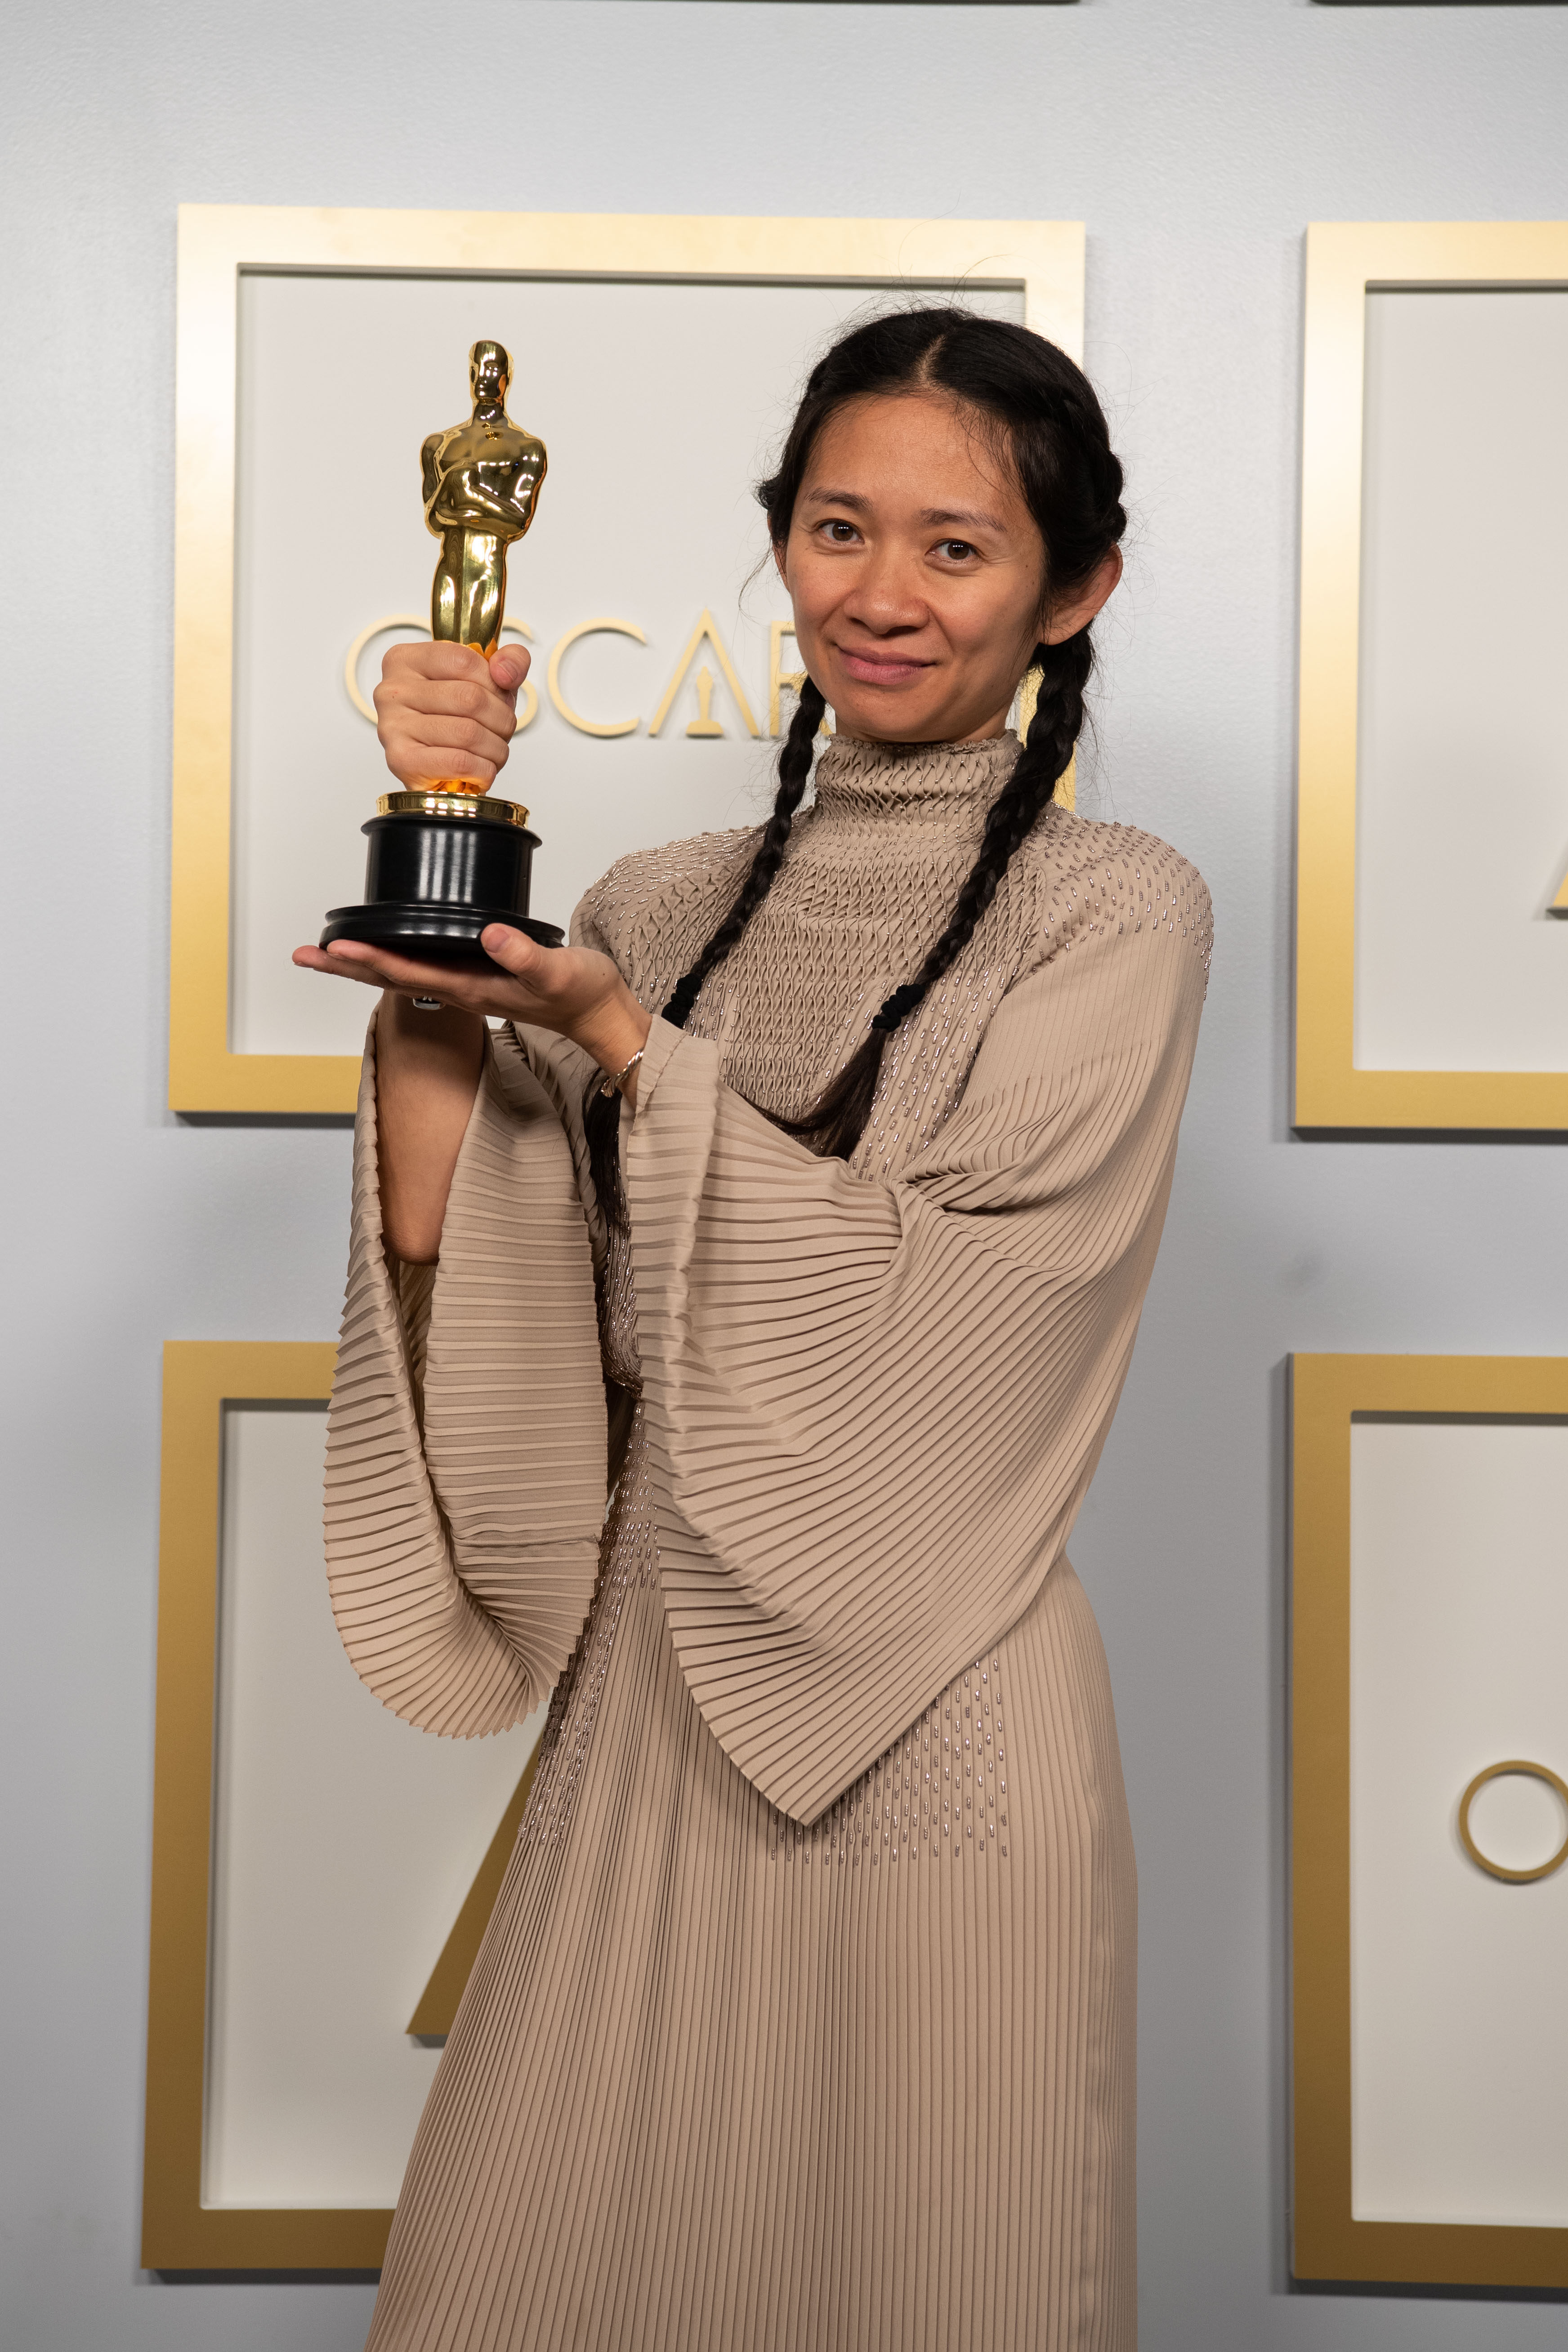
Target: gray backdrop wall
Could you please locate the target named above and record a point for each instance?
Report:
(1196, 138)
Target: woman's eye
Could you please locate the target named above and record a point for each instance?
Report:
(957, 551)
(840, 533)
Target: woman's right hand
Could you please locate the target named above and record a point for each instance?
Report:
(443, 711)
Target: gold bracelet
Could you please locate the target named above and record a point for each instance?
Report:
(613, 1086)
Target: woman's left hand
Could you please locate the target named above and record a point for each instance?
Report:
(574, 990)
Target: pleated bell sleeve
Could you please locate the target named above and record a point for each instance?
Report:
(874, 1408)
(466, 1441)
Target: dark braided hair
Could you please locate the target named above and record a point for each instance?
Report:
(602, 1114)
(833, 1124)
(795, 775)
(1050, 429)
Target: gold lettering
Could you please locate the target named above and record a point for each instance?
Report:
(574, 717)
(778, 678)
(706, 628)
(352, 659)
(1066, 793)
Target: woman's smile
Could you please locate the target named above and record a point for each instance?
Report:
(880, 669)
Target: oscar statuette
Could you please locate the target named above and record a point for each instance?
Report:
(446, 860)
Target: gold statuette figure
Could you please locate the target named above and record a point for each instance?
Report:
(445, 862)
(481, 486)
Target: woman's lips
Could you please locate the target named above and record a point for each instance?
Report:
(880, 669)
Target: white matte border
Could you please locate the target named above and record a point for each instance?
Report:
(1462, 769)
(344, 1843)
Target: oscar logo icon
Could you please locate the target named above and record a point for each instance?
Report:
(446, 860)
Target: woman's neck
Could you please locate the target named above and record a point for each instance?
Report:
(992, 728)
(863, 781)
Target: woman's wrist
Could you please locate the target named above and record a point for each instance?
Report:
(613, 1032)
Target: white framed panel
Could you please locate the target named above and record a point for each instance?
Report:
(1428, 1617)
(1458, 1635)
(1432, 804)
(658, 358)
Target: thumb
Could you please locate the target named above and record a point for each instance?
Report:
(509, 668)
(512, 950)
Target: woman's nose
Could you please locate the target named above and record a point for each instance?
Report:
(886, 594)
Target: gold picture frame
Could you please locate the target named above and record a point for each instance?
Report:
(217, 243)
(1328, 1393)
(1344, 259)
(178, 2232)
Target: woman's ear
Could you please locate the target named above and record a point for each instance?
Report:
(778, 546)
(1066, 620)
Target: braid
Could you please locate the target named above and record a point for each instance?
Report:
(794, 773)
(602, 1112)
(1042, 759)
(836, 1121)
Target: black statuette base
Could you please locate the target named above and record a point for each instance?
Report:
(432, 884)
(431, 934)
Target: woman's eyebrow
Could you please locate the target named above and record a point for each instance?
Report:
(962, 514)
(838, 498)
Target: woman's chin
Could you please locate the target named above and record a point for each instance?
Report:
(888, 715)
(886, 721)
(884, 733)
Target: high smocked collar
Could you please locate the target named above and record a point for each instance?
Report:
(946, 784)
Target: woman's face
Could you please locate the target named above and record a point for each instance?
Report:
(917, 573)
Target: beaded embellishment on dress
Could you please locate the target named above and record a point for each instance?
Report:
(941, 1788)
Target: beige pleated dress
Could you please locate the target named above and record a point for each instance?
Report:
(805, 2021)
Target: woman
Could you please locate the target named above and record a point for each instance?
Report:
(805, 2015)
